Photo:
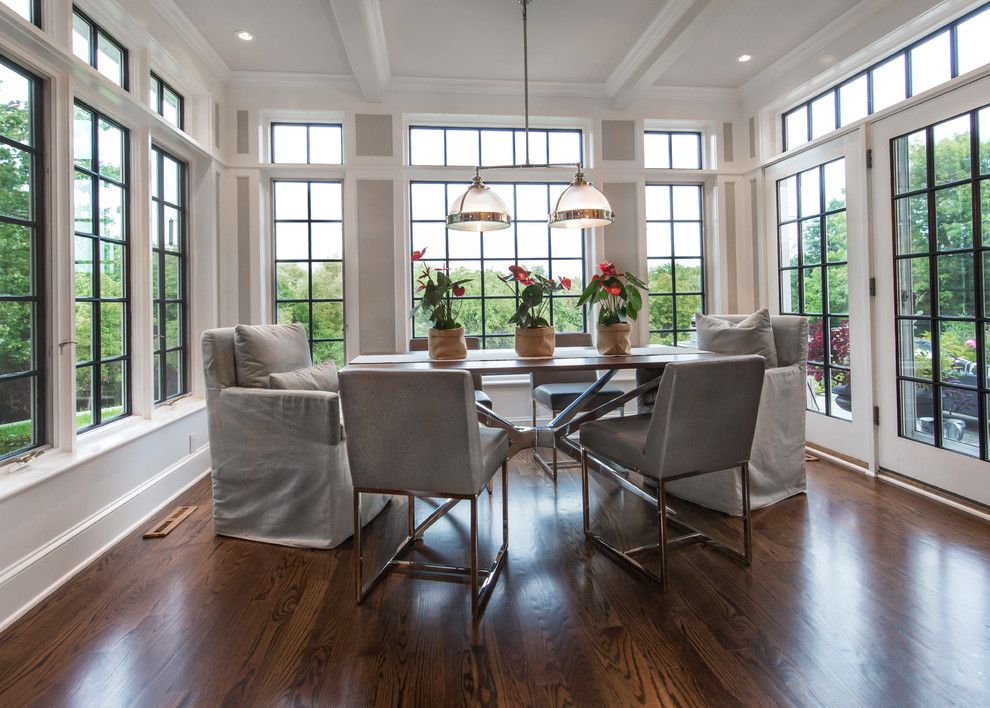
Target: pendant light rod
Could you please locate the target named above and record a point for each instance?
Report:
(525, 19)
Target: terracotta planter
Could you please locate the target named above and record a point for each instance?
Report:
(447, 344)
(535, 342)
(613, 340)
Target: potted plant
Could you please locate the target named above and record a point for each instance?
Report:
(619, 300)
(439, 304)
(534, 335)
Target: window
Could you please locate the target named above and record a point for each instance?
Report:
(98, 49)
(813, 271)
(22, 345)
(675, 150)
(167, 102)
(675, 251)
(942, 55)
(308, 143)
(309, 263)
(168, 275)
(30, 10)
(101, 273)
(488, 302)
(941, 207)
(468, 147)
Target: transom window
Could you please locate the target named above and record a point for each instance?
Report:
(96, 47)
(101, 272)
(22, 340)
(948, 52)
(468, 147)
(667, 149)
(167, 102)
(308, 143)
(675, 251)
(814, 282)
(309, 262)
(941, 207)
(168, 275)
(30, 10)
(488, 303)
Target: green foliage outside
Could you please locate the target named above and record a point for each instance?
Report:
(664, 299)
(293, 281)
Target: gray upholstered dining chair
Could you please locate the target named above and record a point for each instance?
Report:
(421, 344)
(702, 422)
(555, 391)
(416, 433)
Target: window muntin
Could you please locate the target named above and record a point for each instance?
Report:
(813, 273)
(468, 147)
(22, 340)
(102, 285)
(941, 206)
(169, 280)
(488, 303)
(675, 258)
(672, 150)
(96, 47)
(309, 262)
(167, 102)
(308, 143)
(30, 10)
(944, 54)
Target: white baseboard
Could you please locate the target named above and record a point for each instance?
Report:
(29, 581)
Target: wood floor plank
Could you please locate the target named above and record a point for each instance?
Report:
(860, 593)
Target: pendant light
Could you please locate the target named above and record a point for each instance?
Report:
(580, 206)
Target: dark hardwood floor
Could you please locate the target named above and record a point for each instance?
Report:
(861, 593)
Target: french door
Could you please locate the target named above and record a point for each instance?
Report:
(817, 267)
(931, 230)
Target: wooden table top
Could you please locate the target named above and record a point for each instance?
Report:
(506, 361)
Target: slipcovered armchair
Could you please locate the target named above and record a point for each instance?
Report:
(279, 463)
(776, 466)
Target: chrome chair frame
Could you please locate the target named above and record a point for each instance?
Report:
(619, 474)
(482, 580)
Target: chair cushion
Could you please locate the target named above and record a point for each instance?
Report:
(618, 439)
(263, 350)
(560, 395)
(753, 335)
(494, 449)
(322, 377)
(484, 399)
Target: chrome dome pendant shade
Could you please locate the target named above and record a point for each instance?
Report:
(581, 206)
(478, 209)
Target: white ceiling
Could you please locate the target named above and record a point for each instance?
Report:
(613, 43)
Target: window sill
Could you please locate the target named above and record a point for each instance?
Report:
(16, 478)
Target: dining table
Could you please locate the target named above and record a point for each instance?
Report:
(558, 430)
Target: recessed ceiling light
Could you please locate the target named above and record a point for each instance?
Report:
(743, 58)
(244, 35)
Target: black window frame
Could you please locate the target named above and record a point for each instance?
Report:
(39, 370)
(97, 31)
(484, 336)
(163, 86)
(676, 332)
(314, 341)
(309, 140)
(96, 361)
(35, 18)
(951, 27)
(670, 151)
(159, 300)
(981, 317)
(824, 314)
(516, 159)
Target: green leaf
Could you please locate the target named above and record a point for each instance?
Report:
(588, 293)
(532, 295)
(635, 281)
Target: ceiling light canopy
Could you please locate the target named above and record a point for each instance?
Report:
(580, 206)
(244, 35)
(743, 58)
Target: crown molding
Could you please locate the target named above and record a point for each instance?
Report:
(277, 79)
(197, 42)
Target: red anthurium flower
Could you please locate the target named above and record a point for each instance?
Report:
(595, 277)
(418, 255)
(566, 282)
(421, 288)
(527, 281)
(521, 275)
(458, 290)
(613, 289)
(607, 268)
(514, 269)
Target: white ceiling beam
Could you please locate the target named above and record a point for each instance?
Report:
(666, 38)
(359, 23)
